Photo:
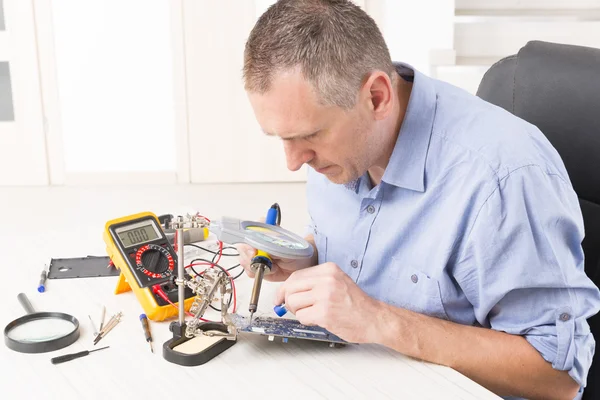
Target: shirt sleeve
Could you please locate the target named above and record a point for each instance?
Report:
(522, 268)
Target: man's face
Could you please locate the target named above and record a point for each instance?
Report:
(330, 139)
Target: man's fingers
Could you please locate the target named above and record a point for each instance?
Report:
(246, 251)
(245, 258)
(306, 316)
(300, 300)
(292, 285)
(317, 271)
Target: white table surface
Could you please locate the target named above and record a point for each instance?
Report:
(35, 226)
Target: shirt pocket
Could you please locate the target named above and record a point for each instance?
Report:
(417, 291)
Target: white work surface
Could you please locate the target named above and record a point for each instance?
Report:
(43, 223)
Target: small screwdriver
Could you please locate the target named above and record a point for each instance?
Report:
(146, 326)
(42, 285)
(69, 357)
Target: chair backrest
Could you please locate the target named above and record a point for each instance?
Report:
(557, 88)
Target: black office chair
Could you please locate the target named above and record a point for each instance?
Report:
(557, 88)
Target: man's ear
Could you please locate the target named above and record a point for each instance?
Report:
(378, 93)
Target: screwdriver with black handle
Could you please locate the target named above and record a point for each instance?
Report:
(69, 357)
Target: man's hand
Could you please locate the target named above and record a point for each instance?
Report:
(281, 268)
(326, 296)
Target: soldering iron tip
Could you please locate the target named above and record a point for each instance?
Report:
(251, 315)
(151, 349)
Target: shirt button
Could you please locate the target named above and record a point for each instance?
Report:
(565, 317)
(370, 209)
(414, 278)
(354, 263)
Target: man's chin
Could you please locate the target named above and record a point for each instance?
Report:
(342, 179)
(335, 179)
(337, 176)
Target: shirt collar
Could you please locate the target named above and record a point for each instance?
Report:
(406, 167)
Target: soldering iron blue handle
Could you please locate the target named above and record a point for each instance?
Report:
(270, 220)
(271, 216)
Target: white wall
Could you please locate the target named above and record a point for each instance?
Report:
(487, 30)
(415, 31)
(115, 85)
(22, 141)
(150, 91)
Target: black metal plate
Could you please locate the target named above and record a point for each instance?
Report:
(83, 267)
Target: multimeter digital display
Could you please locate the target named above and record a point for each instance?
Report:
(138, 233)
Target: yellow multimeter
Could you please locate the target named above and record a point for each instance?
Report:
(139, 248)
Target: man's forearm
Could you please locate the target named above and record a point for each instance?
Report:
(505, 364)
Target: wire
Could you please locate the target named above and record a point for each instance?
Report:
(238, 275)
(220, 253)
(214, 263)
(202, 216)
(216, 252)
(158, 290)
(232, 294)
(204, 261)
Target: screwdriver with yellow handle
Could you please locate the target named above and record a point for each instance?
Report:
(262, 262)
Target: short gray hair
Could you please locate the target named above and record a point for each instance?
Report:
(334, 42)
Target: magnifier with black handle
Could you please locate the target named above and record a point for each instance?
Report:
(40, 332)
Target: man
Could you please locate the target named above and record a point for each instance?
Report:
(444, 227)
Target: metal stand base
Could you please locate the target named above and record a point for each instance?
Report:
(191, 360)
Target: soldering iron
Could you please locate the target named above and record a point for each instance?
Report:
(262, 263)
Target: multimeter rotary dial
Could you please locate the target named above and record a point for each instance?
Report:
(154, 261)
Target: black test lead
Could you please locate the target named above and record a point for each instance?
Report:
(146, 326)
(69, 357)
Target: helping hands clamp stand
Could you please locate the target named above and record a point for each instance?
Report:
(205, 287)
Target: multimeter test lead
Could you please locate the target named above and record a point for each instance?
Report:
(146, 326)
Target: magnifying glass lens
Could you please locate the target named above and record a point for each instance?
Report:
(41, 330)
(274, 237)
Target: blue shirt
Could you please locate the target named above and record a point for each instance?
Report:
(475, 221)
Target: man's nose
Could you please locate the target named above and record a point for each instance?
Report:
(296, 155)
